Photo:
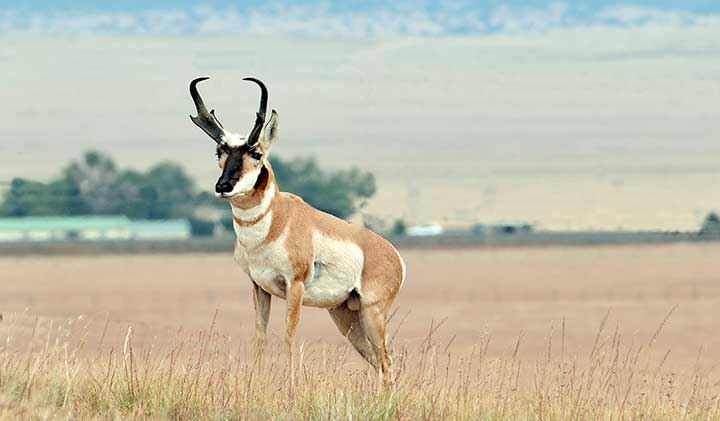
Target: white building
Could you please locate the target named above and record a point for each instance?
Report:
(91, 228)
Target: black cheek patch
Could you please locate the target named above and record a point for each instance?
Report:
(262, 179)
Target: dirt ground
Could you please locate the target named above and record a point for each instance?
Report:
(504, 293)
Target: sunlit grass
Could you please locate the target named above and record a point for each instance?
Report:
(56, 373)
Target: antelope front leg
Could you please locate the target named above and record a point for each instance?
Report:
(261, 302)
(294, 305)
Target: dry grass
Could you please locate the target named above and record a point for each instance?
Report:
(209, 375)
(524, 334)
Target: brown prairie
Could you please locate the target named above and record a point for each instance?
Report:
(500, 293)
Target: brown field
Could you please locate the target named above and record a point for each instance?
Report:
(547, 300)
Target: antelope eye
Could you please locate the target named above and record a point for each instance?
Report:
(256, 155)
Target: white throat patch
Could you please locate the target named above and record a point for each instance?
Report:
(250, 237)
(255, 212)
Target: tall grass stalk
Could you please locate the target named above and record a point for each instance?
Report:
(55, 373)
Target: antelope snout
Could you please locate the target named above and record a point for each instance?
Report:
(223, 186)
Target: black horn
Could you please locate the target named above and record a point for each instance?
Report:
(206, 120)
(254, 136)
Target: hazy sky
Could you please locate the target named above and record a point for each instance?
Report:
(591, 116)
(350, 17)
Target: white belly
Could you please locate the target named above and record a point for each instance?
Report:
(326, 289)
(336, 271)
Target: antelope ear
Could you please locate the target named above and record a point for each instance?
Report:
(271, 132)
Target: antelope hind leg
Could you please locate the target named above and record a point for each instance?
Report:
(348, 322)
(372, 320)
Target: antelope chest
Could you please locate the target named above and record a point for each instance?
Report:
(267, 264)
(336, 269)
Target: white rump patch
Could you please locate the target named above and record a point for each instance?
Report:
(255, 212)
(337, 271)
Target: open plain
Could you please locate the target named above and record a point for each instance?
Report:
(659, 305)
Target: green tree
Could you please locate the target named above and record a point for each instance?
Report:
(94, 177)
(24, 198)
(399, 227)
(32, 198)
(94, 185)
(167, 192)
(711, 225)
(340, 192)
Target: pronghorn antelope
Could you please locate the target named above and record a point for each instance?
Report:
(293, 251)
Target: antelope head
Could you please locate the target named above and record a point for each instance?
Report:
(241, 158)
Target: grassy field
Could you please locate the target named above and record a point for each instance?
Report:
(522, 333)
